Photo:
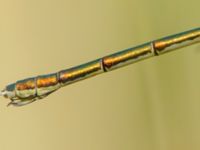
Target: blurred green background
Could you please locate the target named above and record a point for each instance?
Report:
(150, 105)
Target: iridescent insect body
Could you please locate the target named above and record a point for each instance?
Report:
(31, 89)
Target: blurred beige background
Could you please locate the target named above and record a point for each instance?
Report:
(151, 105)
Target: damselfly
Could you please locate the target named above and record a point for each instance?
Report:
(31, 89)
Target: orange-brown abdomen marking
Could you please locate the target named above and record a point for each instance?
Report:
(128, 56)
(26, 89)
(46, 84)
(175, 41)
(81, 72)
(29, 84)
(46, 81)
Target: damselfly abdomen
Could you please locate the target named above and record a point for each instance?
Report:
(28, 90)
